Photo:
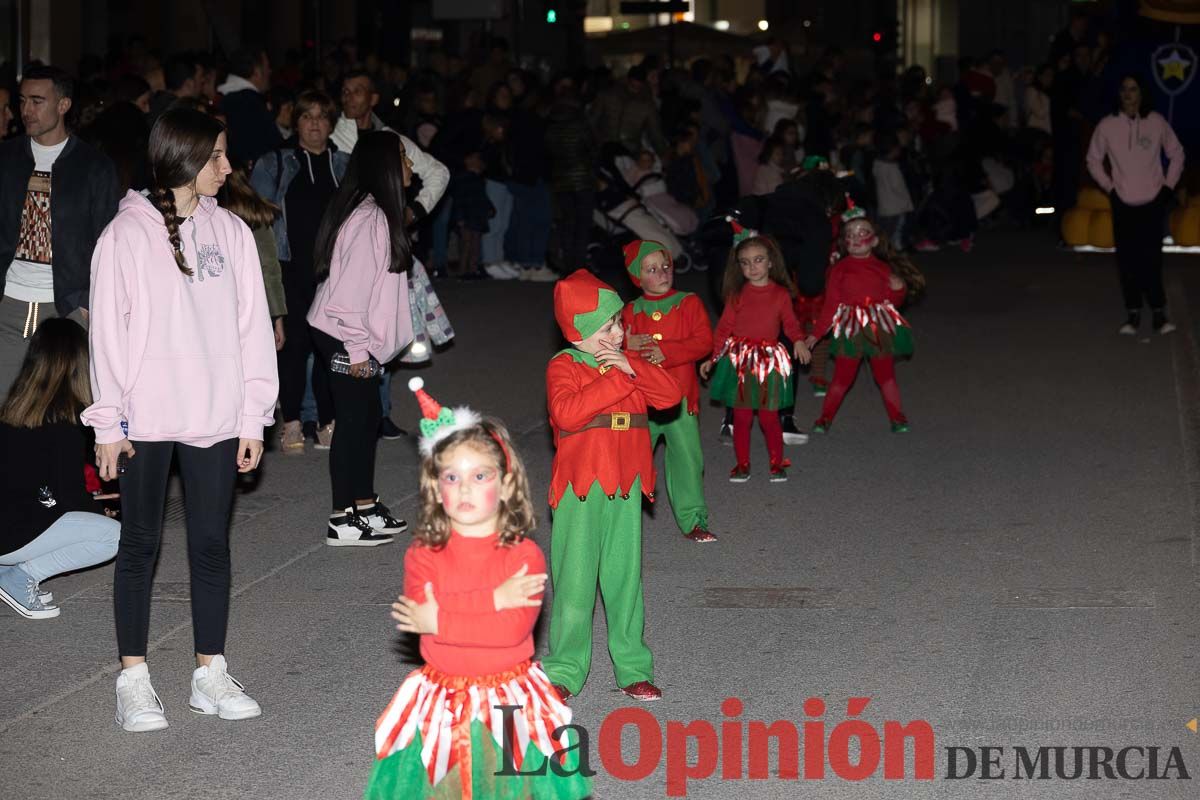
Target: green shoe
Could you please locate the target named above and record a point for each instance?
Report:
(819, 389)
(821, 426)
(900, 427)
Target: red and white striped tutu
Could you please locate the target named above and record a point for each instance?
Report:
(442, 708)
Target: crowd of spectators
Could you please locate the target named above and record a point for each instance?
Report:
(548, 169)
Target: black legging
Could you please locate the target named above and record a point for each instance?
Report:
(358, 410)
(209, 475)
(1138, 234)
(299, 291)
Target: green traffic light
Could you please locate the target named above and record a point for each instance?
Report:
(551, 15)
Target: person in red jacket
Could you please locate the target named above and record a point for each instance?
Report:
(598, 397)
(672, 329)
(473, 584)
(859, 314)
(753, 370)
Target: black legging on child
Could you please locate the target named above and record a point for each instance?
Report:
(358, 411)
(1138, 234)
(209, 475)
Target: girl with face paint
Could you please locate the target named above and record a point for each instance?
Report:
(859, 314)
(473, 585)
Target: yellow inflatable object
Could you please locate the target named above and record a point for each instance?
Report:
(1185, 226)
(1075, 226)
(1092, 198)
(1100, 229)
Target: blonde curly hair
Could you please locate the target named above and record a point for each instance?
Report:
(489, 436)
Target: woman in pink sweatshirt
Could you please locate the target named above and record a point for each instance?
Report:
(1134, 139)
(360, 320)
(183, 363)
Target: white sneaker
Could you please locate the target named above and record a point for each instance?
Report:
(542, 274)
(1127, 330)
(215, 691)
(500, 271)
(380, 518)
(138, 707)
(347, 528)
(1166, 327)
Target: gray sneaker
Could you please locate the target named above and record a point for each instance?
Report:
(20, 591)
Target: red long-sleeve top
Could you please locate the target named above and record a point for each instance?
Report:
(575, 393)
(473, 638)
(680, 324)
(855, 281)
(758, 312)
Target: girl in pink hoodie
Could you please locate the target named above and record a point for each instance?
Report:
(360, 320)
(1134, 139)
(183, 363)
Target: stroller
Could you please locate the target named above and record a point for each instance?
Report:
(621, 215)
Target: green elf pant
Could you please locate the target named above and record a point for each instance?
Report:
(597, 539)
(684, 465)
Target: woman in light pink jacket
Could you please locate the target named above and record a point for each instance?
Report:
(360, 320)
(183, 364)
(1134, 139)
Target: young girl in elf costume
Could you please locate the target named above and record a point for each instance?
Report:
(859, 314)
(473, 587)
(598, 397)
(672, 329)
(753, 370)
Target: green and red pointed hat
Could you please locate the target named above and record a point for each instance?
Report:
(583, 303)
(740, 234)
(638, 249)
(438, 421)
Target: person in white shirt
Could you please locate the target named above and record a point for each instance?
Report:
(56, 194)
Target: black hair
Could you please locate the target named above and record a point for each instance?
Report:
(279, 96)
(177, 71)
(769, 147)
(129, 88)
(375, 170)
(245, 60)
(636, 74)
(1146, 103)
(359, 72)
(64, 84)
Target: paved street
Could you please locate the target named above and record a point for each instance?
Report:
(1020, 570)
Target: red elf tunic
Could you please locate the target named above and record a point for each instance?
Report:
(576, 393)
(680, 326)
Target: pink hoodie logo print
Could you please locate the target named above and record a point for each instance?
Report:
(210, 260)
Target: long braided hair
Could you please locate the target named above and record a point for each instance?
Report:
(181, 143)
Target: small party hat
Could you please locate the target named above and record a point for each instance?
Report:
(740, 234)
(852, 211)
(438, 421)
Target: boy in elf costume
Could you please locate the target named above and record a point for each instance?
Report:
(672, 329)
(598, 397)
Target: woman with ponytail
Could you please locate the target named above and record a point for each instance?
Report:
(183, 364)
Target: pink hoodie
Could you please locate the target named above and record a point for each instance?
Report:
(361, 303)
(1134, 147)
(189, 360)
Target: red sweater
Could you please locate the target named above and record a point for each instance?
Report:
(575, 393)
(473, 638)
(758, 312)
(681, 321)
(856, 282)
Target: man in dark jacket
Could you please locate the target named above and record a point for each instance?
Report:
(252, 130)
(57, 193)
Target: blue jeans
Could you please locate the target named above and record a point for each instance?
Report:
(529, 229)
(76, 540)
(308, 406)
(491, 246)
